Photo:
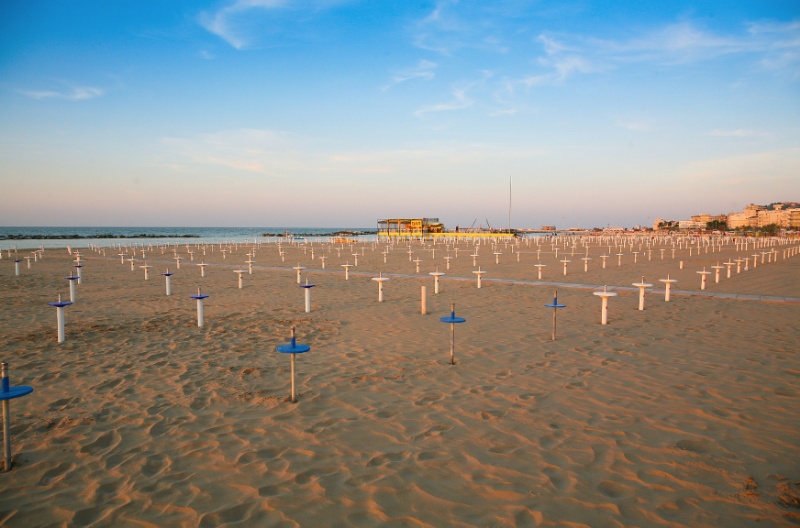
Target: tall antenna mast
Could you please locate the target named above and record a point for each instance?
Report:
(509, 204)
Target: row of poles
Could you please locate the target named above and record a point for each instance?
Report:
(7, 392)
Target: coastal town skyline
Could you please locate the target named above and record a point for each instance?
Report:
(336, 113)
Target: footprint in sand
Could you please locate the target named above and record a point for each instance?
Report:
(492, 415)
(701, 446)
(549, 441)
(557, 479)
(51, 476)
(321, 426)
(386, 458)
(110, 384)
(64, 403)
(427, 400)
(613, 490)
(431, 455)
(503, 449)
(436, 430)
(103, 444)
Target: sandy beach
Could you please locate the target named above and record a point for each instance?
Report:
(683, 414)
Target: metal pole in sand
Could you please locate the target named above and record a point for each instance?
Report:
(479, 272)
(703, 275)
(555, 306)
(423, 301)
(167, 276)
(240, 272)
(293, 348)
(642, 286)
(145, 267)
(729, 264)
(667, 284)
(202, 266)
(380, 279)
(298, 268)
(436, 274)
(72, 278)
(604, 295)
(307, 287)
(539, 268)
(346, 271)
(199, 297)
(716, 269)
(453, 320)
(59, 305)
(7, 392)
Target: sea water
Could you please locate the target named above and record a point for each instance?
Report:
(81, 237)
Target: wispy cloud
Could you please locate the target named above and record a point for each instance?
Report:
(252, 150)
(459, 101)
(739, 133)
(424, 70)
(453, 25)
(77, 93)
(284, 156)
(238, 23)
(558, 69)
(225, 22)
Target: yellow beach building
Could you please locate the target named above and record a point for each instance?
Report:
(431, 228)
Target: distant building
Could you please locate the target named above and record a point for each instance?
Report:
(747, 218)
(705, 218)
(691, 224)
(548, 228)
(778, 217)
(794, 218)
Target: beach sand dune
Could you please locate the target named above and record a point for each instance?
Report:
(683, 414)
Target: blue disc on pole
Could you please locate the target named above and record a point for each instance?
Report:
(293, 348)
(555, 304)
(199, 296)
(453, 319)
(167, 274)
(307, 285)
(60, 304)
(15, 392)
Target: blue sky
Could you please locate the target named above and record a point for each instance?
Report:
(336, 112)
